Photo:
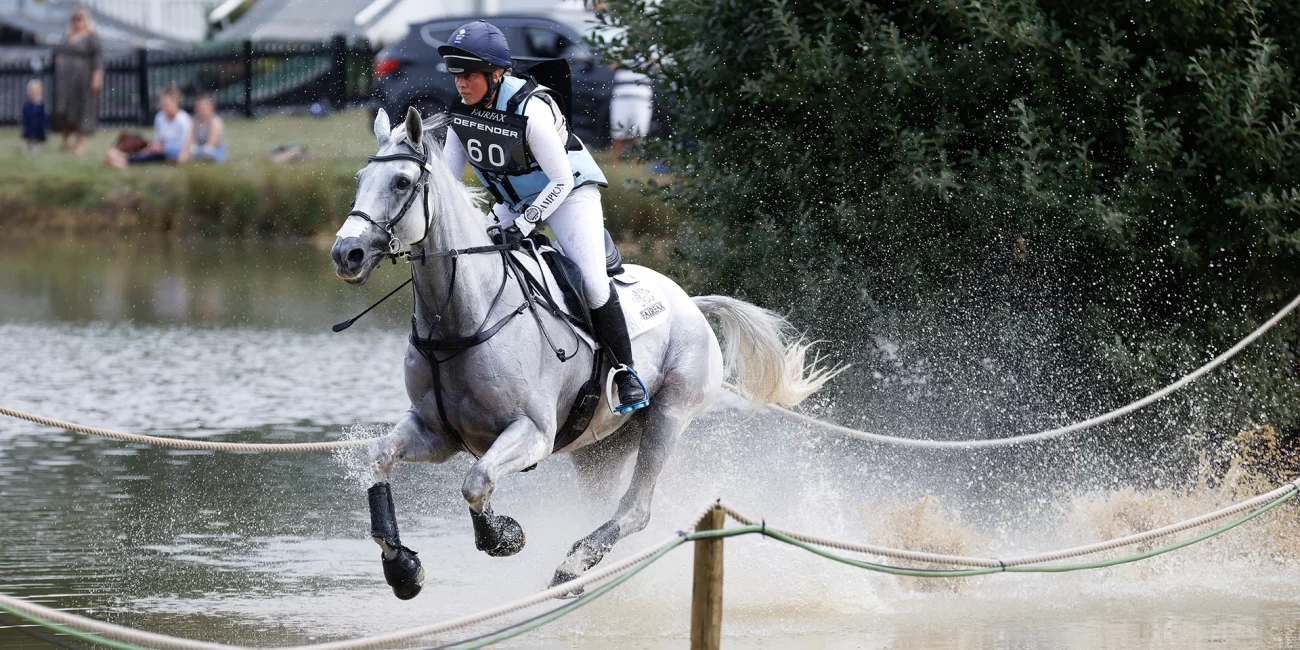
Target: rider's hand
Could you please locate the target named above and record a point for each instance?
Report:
(524, 226)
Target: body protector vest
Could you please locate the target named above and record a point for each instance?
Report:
(495, 141)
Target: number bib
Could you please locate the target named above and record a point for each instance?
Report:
(493, 140)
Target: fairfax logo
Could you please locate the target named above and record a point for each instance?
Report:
(490, 115)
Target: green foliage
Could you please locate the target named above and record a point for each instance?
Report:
(1006, 208)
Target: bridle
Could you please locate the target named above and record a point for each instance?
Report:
(420, 188)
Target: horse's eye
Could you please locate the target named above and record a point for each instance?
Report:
(402, 182)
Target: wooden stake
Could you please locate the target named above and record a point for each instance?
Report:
(706, 593)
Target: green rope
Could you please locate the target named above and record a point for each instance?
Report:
(558, 612)
(76, 634)
(964, 573)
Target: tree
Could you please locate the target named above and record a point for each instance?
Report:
(1009, 213)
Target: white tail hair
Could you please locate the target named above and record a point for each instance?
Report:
(760, 350)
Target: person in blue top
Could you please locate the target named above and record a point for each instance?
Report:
(34, 117)
(513, 133)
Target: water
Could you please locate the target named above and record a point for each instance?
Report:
(230, 340)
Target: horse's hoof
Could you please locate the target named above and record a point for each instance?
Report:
(404, 573)
(561, 577)
(497, 535)
(510, 537)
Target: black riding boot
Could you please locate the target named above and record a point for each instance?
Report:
(611, 329)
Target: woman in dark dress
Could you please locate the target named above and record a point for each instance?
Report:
(78, 76)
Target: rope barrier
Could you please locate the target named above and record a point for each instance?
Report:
(1285, 491)
(184, 443)
(124, 638)
(989, 443)
(924, 443)
(966, 573)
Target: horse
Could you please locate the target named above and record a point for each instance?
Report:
(503, 397)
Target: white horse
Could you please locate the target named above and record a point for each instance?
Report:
(503, 398)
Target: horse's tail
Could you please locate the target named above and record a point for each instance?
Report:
(762, 351)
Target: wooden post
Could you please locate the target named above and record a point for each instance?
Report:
(706, 593)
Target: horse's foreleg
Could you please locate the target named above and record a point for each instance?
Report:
(662, 426)
(409, 440)
(521, 444)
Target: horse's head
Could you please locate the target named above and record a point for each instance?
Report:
(391, 210)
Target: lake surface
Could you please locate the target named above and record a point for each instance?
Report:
(231, 341)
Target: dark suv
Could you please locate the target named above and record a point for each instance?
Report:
(410, 72)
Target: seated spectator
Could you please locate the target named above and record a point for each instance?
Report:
(207, 137)
(34, 117)
(170, 128)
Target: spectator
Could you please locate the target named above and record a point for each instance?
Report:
(34, 117)
(171, 126)
(630, 109)
(206, 140)
(79, 75)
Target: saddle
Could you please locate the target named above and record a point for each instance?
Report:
(568, 277)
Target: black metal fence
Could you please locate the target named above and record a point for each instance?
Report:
(242, 77)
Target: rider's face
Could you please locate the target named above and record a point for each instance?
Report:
(472, 86)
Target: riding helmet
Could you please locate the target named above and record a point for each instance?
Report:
(476, 47)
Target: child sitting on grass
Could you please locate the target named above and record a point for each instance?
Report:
(206, 140)
(35, 119)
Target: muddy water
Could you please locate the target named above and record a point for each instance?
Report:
(230, 341)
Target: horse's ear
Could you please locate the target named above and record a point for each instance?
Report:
(414, 126)
(383, 128)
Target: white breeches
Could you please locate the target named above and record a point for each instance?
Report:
(579, 227)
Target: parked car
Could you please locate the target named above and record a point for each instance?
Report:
(410, 72)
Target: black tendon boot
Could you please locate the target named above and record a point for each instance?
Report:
(611, 329)
(402, 568)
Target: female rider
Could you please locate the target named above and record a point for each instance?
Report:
(513, 133)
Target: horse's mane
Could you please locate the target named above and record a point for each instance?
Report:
(449, 188)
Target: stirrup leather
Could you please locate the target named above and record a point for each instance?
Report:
(611, 396)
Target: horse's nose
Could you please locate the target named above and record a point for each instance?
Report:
(348, 254)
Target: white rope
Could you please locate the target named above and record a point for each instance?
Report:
(184, 443)
(1051, 433)
(1039, 558)
(165, 642)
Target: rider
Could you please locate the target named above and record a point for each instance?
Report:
(513, 133)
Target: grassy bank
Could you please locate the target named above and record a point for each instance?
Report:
(54, 192)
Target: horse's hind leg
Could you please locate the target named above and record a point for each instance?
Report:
(409, 440)
(663, 422)
(600, 465)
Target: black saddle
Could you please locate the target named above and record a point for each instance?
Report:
(569, 277)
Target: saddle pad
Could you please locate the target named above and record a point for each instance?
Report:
(644, 304)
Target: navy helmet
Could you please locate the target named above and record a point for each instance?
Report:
(476, 47)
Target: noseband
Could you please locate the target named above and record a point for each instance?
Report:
(421, 187)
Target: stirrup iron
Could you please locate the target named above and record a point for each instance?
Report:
(611, 395)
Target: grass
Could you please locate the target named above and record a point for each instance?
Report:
(248, 196)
